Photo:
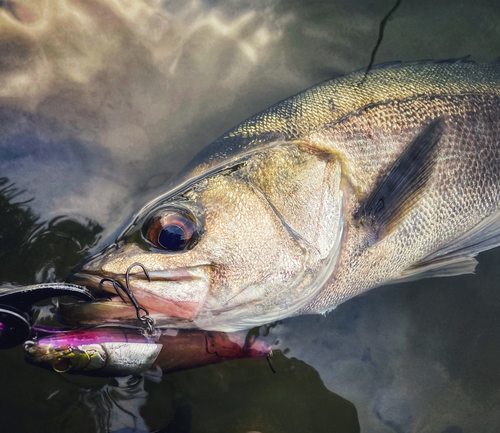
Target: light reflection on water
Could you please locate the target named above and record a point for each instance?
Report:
(116, 406)
(96, 125)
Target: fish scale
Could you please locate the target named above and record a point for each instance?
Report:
(468, 161)
(312, 109)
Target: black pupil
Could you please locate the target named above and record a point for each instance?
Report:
(172, 237)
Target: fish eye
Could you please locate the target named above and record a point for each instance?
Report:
(171, 229)
(62, 365)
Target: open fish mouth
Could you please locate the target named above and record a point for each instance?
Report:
(178, 294)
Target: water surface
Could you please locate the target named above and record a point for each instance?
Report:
(101, 104)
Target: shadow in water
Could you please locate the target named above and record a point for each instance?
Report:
(239, 396)
(236, 397)
(32, 251)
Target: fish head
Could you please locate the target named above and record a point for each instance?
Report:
(239, 245)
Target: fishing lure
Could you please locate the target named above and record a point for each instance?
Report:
(123, 351)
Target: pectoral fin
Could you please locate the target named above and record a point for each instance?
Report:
(456, 258)
(447, 267)
(482, 237)
(404, 183)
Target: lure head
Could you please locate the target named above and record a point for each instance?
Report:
(66, 358)
(93, 353)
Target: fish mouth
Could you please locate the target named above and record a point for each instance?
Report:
(178, 293)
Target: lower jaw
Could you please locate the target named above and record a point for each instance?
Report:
(157, 305)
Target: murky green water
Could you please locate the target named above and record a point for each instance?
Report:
(100, 112)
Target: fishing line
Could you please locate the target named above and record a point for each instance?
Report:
(380, 37)
(268, 357)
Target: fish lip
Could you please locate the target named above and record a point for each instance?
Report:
(155, 303)
(93, 280)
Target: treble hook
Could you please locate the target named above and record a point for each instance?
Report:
(117, 286)
(146, 319)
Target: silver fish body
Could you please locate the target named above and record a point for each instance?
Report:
(361, 181)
